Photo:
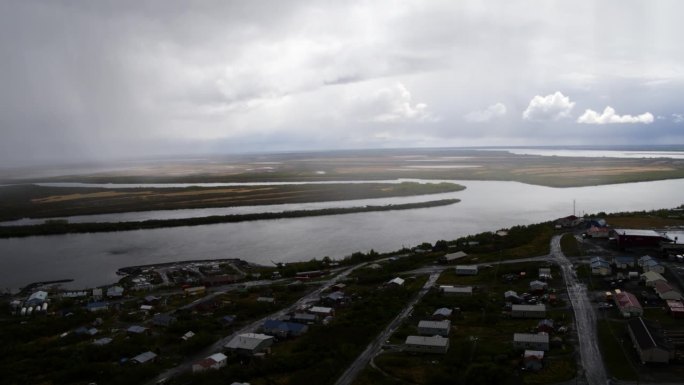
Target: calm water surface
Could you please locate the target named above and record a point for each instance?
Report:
(92, 259)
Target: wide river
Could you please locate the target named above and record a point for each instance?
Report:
(92, 259)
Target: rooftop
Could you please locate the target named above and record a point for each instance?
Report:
(247, 341)
(646, 335)
(435, 324)
(638, 233)
(528, 337)
(427, 341)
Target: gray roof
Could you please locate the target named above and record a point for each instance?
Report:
(538, 307)
(427, 341)
(435, 324)
(647, 336)
(136, 329)
(144, 357)
(528, 337)
(443, 311)
(248, 341)
(457, 289)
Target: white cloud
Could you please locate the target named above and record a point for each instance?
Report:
(609, 117)
(550, 107)
(678, 118)
(491, 112)
(394, 105)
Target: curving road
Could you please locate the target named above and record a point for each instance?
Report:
(585, 319)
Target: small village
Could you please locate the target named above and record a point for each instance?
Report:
(484, 304)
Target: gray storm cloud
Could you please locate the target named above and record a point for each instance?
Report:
(105, 80)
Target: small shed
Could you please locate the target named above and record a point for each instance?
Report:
(396, 282)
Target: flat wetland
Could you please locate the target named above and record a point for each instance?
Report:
(463, 164)
(33, 201)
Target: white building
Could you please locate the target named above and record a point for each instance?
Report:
(213, 362)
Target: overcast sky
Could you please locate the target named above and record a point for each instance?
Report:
(95, 80)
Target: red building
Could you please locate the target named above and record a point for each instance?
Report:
(638, 238)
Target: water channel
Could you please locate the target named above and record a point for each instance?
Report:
(92, 259)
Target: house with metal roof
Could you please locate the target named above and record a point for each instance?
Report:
(321, 311)
(651, 277)
(624, 262)
(600, 266)
(442, 313)
(396, 281)
(434, 328)
(213, 362)
(528, 311)
(144, 358)
(456, 290)
(628, 305)
(538, 341)
(649, 341)
(304, 317)
(249, 343)
(653, 265)
(665, 291)
(452, 257)
(422, 344)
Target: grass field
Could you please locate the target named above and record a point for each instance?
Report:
(44, 202)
